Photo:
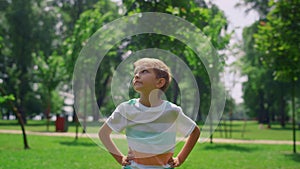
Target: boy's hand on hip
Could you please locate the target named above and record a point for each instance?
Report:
(174, 162)
(126, 159)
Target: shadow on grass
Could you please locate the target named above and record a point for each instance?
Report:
(228, 131)
(283, 129)
(229, 147)
(293, 156)
(29, 123)
(9, 123)
(32, 123)
(77, 143)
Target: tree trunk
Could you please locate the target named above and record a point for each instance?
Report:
(102, 95)
(84, 107)
(199, 115)
(293, 116)
(20, 120)
(47, 114)
(7, 115)
(261, 109)
(176, 92)
(210, 127)
(75, 119)
(282, 110)
(268, 121)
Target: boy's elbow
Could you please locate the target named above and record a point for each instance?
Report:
(100, 134)
(104, 132)
(196, 132)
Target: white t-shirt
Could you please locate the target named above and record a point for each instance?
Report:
(151, 129)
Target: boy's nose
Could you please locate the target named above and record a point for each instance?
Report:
(136, 75)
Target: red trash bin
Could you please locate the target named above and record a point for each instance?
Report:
(61, 124)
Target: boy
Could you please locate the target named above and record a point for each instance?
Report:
(151, 123)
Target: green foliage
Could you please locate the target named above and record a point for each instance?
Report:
(1, 41)
(49, 71)
(41, 40)
(19, 27)
(260, 101)
(278, 39)
(29, 28)
(57, 102)
(89, 22)
(210, 20)
(33, 104)
(271, 60)
(275, 101)
(33, 62)
(5, 98)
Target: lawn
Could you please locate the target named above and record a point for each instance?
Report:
(252, 129)
(64, 153)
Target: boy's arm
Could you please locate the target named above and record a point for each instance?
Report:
(187, 148)
(104, 135)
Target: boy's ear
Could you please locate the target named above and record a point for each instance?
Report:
(160, 82)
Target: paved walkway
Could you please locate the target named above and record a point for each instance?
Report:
(119, 136)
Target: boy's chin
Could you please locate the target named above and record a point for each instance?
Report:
(137, 90)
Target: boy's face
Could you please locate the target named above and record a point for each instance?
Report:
(145, 80)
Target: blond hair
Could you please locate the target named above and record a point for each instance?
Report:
(160, 68)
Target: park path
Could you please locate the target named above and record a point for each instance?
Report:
(119, 136)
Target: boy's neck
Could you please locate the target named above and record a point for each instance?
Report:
(150, 100)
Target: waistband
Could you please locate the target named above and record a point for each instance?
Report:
(135, 165)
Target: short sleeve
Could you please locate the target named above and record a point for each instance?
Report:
(185, 125)
(117, 121)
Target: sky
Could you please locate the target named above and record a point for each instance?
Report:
(237, 19)
(236, 16)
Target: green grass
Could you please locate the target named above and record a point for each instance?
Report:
(64, 153)
(254, 132)
(242, 156)
(34, 125)
(52, 153)
(252, 129)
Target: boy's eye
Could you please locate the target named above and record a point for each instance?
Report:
(140, 71)
(144, 71)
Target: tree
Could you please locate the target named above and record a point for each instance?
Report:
(209, 19)
(261, 102)
(278, 39)
(49, 72)
(88, 23)
(19, 32)
(29, 27)
(9, 99)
